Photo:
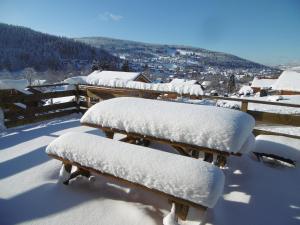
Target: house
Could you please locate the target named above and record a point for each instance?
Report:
(110, 75)
(288, 83)
(262, 83)
(97, 75)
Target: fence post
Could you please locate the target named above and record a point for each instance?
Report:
(244, 106)
(77, 98)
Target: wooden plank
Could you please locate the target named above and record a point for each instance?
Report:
(30, 111)
(39, 118)
(257, 132)
(36, 97)
(99, 95)
(126, 182)
(48, 85)
(164, 141)
(285, 119)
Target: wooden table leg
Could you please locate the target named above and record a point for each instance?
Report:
(109, 134)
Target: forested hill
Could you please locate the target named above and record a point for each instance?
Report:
(22, 47)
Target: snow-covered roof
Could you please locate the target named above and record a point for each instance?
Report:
(288, 81)
(13, 84)
(110, 75)
(262, 83)
(76, 80)
(143, 166)
(207, 126)
(206, 83)
(183, 81)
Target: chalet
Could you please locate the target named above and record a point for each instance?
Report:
(262, 83)
(109, 75)
(288, 83)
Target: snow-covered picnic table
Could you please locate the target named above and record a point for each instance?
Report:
(184, 126)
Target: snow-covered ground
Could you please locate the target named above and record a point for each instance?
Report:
(255, 193)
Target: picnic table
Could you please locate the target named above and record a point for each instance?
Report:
(189, 128)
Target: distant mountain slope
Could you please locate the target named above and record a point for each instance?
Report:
(22, 47)
(201, 57)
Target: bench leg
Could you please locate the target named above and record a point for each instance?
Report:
(181, 210)
(208, 157)
(75, 174)
(195, 154)
(109, 134)
(221, 161)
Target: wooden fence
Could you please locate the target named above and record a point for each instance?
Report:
(20, 108)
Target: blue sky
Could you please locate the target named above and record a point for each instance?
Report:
(265, 31)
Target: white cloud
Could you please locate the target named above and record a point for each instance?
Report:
(107, 16)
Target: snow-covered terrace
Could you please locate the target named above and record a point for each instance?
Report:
(255, 192)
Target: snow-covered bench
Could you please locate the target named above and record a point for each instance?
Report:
(183, 180)
(282, 148)
(187, 127)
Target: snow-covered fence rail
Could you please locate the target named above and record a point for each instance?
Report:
(22, 108)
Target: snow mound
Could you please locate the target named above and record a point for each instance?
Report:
(170, 219)
(285, 147)
(201, 125)
(246, 90)
(14, 84)
(288, 81)
(158, 170)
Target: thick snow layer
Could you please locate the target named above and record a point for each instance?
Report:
(14, 84)
(263, 83)
(97, 75)
(182, 88)
(144, 166)
(76, 80)
(288, 81)
(285, 147)
(246, 90)
(183, 81)
(254, 193)
(206, 126)
(187, 87)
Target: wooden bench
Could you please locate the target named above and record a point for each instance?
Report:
(188, 128)
(285, 149)
(185, 181)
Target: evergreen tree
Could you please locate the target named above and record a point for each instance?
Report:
(125, 67)
(231, 84)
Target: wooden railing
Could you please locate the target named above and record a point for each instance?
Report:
(20, 108)
(92, 94)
